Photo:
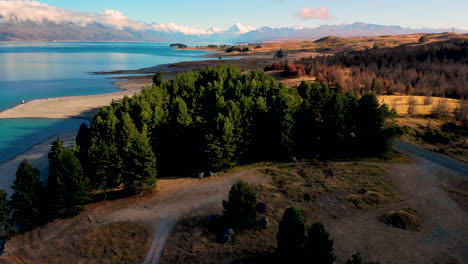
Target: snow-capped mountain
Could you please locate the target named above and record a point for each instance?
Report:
(32, 21)
(240, 29)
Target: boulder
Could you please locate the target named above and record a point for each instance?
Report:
(261, 207)
(229, 231)
(224, 239)
(265, 222)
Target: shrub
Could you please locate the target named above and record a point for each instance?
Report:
(241, 207)
(436, 136)
(441, 109)
(274, 67)
(411, 106)
(357, 259)
(291, 234)
(404, 219)
(428, 100)
(319, 246)
(423, 39)
(294, 70)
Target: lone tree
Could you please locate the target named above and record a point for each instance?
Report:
(411, 106)
(291, 235)
(68, 188)
(5, 216)
(357, 259)
(319, 246)
(27, 201)
(423, 39)
(241, 206)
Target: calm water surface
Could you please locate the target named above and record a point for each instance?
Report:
(35, 70)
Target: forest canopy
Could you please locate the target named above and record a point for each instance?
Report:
(434, 69)
(217, 118)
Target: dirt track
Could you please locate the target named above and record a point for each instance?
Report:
(159, 212)
(442, 240)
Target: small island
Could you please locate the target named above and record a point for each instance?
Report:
(179, 45)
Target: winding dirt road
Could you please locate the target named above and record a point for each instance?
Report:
(442, 240)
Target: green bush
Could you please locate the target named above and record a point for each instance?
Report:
(319, 246)
(357, 259)
(436, 136)
(241, 207)
(291, 234)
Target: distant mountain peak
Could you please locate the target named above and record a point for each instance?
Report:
(32, 20)
(239, 28)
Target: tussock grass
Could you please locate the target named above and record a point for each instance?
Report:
(319, 190)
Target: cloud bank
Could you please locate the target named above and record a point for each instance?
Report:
(314, 13)
(34, 11)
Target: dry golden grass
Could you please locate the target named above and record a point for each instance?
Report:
(404, 219)
(304, 185)
(102, 244)
(401, 103)
(301, 47)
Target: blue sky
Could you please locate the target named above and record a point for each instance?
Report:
(282, 13)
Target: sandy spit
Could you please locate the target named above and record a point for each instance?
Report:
(74, 106)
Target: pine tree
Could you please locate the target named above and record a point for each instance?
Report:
(291, 235)
(5, 216)
(240, 208)
(77, 184)
(27, 201)
(319, 246)
(139, 170)
(158, 78)
(357, 259)
(68, 189)
(370, 118)
(104, 154)
(83, 142)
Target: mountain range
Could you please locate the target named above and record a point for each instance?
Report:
(34, 21)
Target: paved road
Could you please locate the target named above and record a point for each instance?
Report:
(439, 159)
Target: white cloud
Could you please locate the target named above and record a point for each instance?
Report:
(172, 27)
(315, 13)
(17, 11)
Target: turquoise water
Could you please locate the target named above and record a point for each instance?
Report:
(35, 70)
(19, 135)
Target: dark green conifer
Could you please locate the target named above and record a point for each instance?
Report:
(240, 208)
(27, 199)
(319, 246)
(68, 189)
(139, 170)
(291, 235)
(5, 216)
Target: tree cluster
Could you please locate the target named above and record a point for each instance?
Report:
(217, 118)
(64, 194)
(238, 49)
(201, 121)
(438, 69)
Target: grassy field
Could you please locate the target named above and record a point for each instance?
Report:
(323, 192)
(423, 128)
(102, 244)
(333, 44)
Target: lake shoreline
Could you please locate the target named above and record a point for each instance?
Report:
(85, 107)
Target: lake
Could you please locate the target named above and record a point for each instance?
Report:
(35, 70)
